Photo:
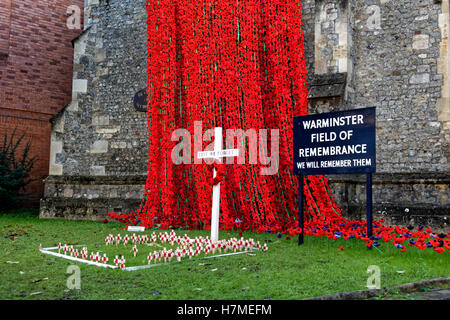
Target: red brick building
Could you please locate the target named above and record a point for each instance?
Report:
(36, 66)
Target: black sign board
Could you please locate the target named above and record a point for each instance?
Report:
(140, 100)
(335, 143)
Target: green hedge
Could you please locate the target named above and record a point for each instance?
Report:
(15, 169)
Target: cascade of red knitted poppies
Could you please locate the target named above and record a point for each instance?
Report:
(238, 65)
(234, 64)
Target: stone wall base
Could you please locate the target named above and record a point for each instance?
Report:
(90, 198)
(95, 209)
(400, 199)
(410, 199)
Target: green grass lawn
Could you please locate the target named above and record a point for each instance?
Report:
(285, 271)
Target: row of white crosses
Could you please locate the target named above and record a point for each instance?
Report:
(83, 253)
(110, 239)
(187, 247)
(217, 154)
(173, 239)
(120, 262)
(192, 248)
(94, 257)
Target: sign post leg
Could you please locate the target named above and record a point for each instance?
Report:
(300, 209)
(369, 205)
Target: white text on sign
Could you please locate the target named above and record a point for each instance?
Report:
(218, 154)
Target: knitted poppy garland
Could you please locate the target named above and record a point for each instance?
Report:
(231, 64)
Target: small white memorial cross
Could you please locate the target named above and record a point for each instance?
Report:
(218, 153)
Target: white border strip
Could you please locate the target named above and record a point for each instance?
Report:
(226, 254)
(146, 266)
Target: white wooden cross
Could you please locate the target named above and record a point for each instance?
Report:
(216, 154)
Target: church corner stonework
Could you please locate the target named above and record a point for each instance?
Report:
(99, 142)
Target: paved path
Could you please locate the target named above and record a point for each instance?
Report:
(433, 289)
(440, 293)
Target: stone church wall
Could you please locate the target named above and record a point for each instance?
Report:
(99, 143)
(390, 54)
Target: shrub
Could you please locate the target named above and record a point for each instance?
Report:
(14, 169)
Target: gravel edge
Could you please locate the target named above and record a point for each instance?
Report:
(366, 294)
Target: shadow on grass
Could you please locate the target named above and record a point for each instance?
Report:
(20, 212)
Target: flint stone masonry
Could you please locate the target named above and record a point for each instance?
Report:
(79, 85)
(331, 36)
(100, 146)
(391, 54)
(102, 136)
(421, 42)
(110, 63)
(420, 78)
(443, 67)
(97, 171)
